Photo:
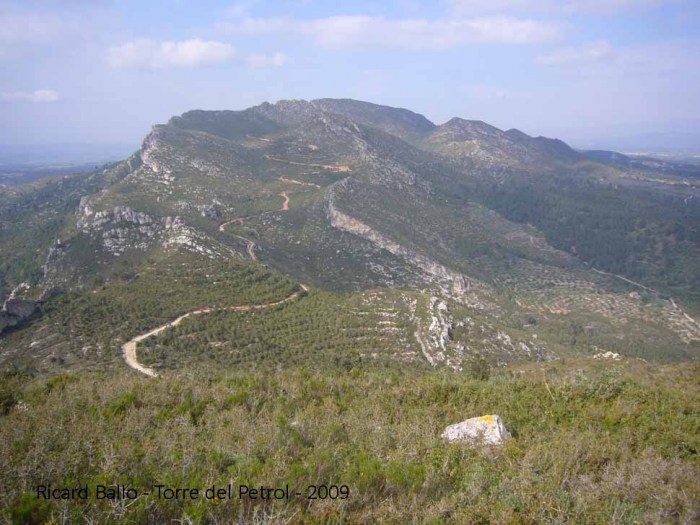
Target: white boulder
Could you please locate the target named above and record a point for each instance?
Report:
(487, 430)
(608, 356)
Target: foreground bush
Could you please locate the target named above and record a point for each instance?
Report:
(593, 443)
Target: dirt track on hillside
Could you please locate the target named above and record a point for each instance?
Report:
(129, 348)
(299, 182)
(285, 203)
(250, 245)
(340, 168)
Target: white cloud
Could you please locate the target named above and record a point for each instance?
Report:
(39, 95)
(371, 32)
(610, 6)
(274, 60)
(478, 7)
(149, 54)
(593, 52)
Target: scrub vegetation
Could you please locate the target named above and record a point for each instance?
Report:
(594, 442)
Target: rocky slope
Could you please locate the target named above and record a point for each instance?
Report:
(349, 197)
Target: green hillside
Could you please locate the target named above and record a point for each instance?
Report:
(307, 293)
(591, 441)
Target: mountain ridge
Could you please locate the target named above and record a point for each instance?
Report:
(459, 227)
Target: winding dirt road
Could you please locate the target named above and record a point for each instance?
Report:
(670, 299)
(250, 245)
(300, 183)
(285, 203)
(639, 285)
(129, 348)
(342, 168)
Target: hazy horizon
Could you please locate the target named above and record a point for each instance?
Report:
(87, 151)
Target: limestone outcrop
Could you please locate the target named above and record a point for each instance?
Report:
(484, 430)
(608, 356)
(15, 310)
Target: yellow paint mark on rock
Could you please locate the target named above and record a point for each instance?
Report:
(488, 419)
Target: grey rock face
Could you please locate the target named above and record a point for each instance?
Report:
(450, 283)
(6, 320)
(14, 311)
(211, 212)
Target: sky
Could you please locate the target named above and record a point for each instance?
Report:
(101, 71)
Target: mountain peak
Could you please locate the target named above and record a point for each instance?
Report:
(517, 135)
(471, 129)
(398, 121)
